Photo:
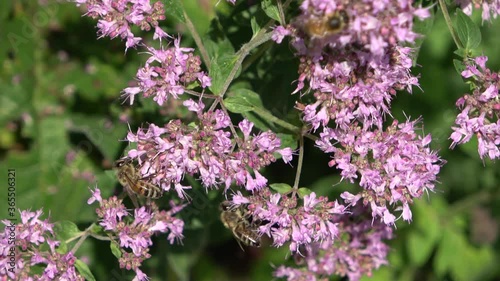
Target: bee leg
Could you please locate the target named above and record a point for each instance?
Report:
(238, 240)
(149, 203)
(122, 195)
(132, 197)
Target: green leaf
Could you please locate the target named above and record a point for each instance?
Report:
(281, 188)
(14, 100)
(419, 248)
(459, 66)
(103, 134)
(427, 216)
(256, 120)
(243, 100)
(181, 264)
(115, 249)
(237, 104)
(422, 27)
(62, 248)
(67, 199)
(219, 70)
(303, 191)
(445, 253)
(20, 33)
(5, 8)
(330, 184)
(27, 173)
(461, 52)
(271, 10)
(65, 230)
(468, 32)
(217, 43)
(175, 9)
(84, 270)
(255, 25)
(53, 146)
(381, 274)
(288, 140)
(106, 181)
(7, 138)
(222, 57)
(473, 264)
(200, 17)
(97, 229)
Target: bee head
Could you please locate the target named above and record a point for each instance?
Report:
(122, 162)
(338, 20)
(225, 206)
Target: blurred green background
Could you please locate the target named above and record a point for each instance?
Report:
(62, 122)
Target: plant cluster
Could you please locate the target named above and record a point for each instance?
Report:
(353, 57)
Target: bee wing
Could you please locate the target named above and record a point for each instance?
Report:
(132, 197)
(131, 189)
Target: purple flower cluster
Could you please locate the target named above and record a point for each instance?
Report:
(166, 154)
(167, 73)
(284, 220)
(394, 166)
(480, 110)
(354, 72)
(117, 17)
(134, 232)
(490, 8)
(350, 86)
(373, 26)
(358, 251)
(34, 246)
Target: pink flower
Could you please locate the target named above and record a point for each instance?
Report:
(116, 18)
(478, 117)
(393, 166)
(206, 150)
(279, 33)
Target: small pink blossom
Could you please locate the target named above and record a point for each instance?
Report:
(279, 33)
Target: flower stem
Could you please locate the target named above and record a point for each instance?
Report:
(200, 95)
(271, 118)
(197, 40)
(259, 38)
(231, 126)
(266, 115)
(299, 165)
(449, 23)
(83, 236)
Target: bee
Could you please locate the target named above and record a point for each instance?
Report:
(323, 26)
(239, 221)
(129, 177)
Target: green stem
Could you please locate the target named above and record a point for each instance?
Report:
(256, 55)
(257, 40)
(83, 236)
(101, 237)
(231, 126)
(196, 94)
(299, 165)
(197, 40)
(470, 202)
(75, 237)
(280, 10)
(271, 118)
(449, 23)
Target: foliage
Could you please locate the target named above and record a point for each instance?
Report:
(64, 122)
